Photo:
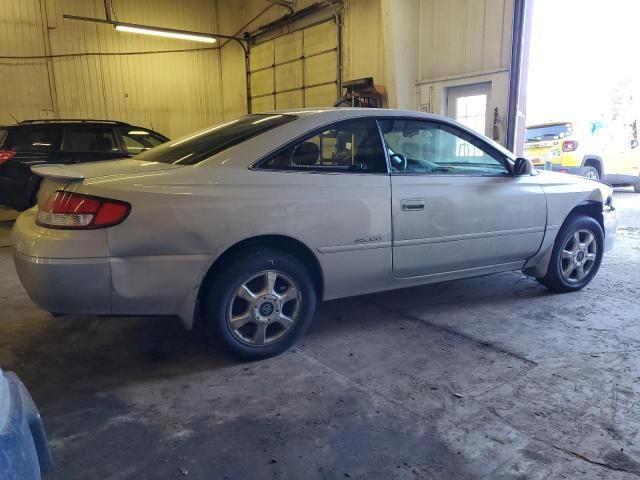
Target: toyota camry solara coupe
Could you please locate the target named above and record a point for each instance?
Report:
(243, 227)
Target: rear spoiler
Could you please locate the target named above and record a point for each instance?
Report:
(57, 171)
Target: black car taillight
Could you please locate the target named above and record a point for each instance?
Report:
(77, 211)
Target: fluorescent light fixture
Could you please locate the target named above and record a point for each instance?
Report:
(137, 132)
(166, 33)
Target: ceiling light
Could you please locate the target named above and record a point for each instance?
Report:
(166, 33)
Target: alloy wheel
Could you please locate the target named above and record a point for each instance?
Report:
(579, 255)
(264, 308)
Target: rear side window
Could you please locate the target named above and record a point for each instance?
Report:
(137, 140)
(347, 146)
(198, 146)
(83, 139)
(31, 139)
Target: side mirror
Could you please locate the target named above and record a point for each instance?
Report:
(523, 166)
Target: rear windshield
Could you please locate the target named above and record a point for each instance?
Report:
(549, 132)
(31, 138)
(198, 146)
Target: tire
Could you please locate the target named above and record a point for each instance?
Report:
(575, 227)
(636, 187)
(591, 173)
(272, 298)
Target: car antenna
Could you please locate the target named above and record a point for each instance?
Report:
(16, 120)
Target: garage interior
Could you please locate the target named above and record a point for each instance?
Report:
(492, 377)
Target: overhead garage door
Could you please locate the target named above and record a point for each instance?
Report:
(298, 69)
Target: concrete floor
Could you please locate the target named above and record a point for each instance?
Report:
(491, 377)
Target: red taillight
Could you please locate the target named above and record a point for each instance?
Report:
(569, 146)
(75, 210)
(6, 155)
(564, 170)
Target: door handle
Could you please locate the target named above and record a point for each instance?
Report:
(412, 205)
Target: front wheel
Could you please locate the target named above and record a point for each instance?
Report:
(576, 256)
(260, 305)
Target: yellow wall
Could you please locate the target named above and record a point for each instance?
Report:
(173, 93)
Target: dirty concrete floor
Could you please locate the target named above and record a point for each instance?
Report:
(485, 378)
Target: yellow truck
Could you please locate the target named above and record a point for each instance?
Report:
(593, 150)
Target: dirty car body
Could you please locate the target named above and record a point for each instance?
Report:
(363, 200)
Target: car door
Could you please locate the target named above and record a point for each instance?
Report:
(455, 204)
(333, 188)
(90, 143)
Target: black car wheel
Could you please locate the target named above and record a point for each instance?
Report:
(577, 254)
(260, 304)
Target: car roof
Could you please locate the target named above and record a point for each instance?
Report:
(65, 121)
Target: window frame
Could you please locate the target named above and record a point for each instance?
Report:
(461, 133)
(257, 165)
(114, 133)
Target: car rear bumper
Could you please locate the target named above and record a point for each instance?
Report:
(71, 272)
(52, 274)
(78, 285)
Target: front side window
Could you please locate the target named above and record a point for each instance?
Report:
(348, 146)
(434, 148)
(88, 139)
(196, 147)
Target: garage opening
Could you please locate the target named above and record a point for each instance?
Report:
(299, 69)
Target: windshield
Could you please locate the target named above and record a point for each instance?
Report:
(549, 132)
(198, 146)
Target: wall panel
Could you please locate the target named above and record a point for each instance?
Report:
(174, 93)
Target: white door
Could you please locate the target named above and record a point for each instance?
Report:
(468, 105)
(455, 205)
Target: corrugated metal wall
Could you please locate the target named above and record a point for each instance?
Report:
(464, 36)
(173, 93)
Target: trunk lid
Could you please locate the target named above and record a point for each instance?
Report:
(58, 177)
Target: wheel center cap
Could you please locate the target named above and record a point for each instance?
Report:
(580, 256)
(266, 309)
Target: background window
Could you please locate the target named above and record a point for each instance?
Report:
(32, 139)
(89, 140)
(352, 145)
(136, 141)
(434, 148)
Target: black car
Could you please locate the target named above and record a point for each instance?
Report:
(35, 142)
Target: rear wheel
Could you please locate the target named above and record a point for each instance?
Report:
(260, 305)
(577, 254)
(591, 173)
(636, 187)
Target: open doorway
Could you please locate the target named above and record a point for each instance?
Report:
(584, 89)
